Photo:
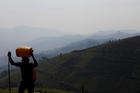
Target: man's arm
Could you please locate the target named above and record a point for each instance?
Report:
(11, 60)
(35, 62)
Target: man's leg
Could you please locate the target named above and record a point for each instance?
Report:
(21, 88)
(31, 87)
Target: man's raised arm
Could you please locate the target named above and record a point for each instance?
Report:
(11, 60)
(35, 62)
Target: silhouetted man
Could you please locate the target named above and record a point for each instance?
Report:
(26, 72)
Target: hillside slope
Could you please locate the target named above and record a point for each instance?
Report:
(80, 45)
(113, 67)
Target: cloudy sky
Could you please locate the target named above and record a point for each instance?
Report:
(73, 16)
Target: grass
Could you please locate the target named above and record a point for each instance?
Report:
(38, 90)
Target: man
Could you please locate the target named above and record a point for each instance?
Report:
(26, 72)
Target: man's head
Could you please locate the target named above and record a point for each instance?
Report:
(25, 59)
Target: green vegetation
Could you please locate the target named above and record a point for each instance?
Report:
(39, 90)
(113, 67)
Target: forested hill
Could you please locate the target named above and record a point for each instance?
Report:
(113, 67)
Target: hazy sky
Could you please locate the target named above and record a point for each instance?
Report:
(74, 16)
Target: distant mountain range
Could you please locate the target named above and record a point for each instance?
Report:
(90, 41)
(43, 39)
(79, 45)
(11, 38)
(51, 46)
(45, 43)
(112, 67)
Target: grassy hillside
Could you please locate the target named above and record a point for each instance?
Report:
(113, 67)
(37, 90)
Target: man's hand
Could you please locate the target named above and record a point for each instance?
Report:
(9, 54)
